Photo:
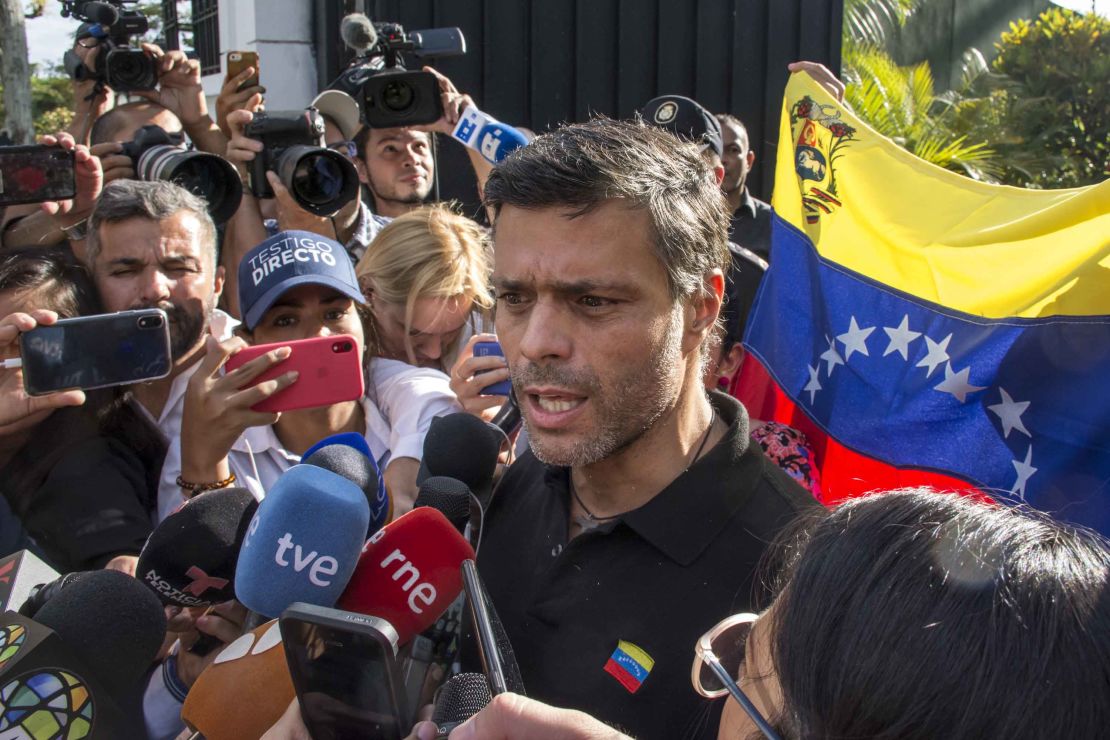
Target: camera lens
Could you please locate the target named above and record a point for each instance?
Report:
(320, 180)
(129, 69)
(398, 96)
(149, 322)
(206, 175)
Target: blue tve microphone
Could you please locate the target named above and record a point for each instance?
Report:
(303, 543)
(486, 135)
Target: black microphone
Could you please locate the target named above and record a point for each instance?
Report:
(458, 700)
(508, 418)
(449, 496)
(190, 557)
(105, 14)
(361, 470)
(46, 591)
(358, 32)
(464, 447)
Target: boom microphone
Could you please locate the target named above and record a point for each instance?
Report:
(409, 572)
(244, 691)
(358, 33)
(303, 543)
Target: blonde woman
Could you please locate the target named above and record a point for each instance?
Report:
(426, 280)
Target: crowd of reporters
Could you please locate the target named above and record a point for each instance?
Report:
(270, 229)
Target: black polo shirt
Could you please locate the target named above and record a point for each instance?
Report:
(751, 225)
(658, 578)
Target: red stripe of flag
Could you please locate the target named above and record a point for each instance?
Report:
(844, 472)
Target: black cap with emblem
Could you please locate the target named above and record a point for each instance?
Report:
(686, 119)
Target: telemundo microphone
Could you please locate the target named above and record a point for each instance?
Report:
(486, 135)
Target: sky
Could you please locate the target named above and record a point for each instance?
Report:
(49, 36)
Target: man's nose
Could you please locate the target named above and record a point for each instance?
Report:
(156, 287)
(544, 336)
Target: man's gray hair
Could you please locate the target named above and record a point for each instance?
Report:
(125, 199)
(581, 166)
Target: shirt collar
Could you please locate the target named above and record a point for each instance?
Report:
(685, 517)
(747, 204)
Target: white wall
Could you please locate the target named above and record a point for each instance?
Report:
(281, 32)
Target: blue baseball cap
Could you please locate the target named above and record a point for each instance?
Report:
(288, 259)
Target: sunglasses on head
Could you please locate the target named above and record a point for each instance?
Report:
(718, 655)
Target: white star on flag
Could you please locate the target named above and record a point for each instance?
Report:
(1025, 471)
(831, 356)
(855, 339)
(937, 354)
(1009, 413)
(900, 338)
(957, 383)
(814, 384)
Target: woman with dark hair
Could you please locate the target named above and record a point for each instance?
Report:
(81, 479)
(915, 614)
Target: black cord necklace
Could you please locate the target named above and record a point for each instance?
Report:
(590, 520)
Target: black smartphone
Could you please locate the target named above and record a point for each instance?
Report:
(344, 668)
(35, 173)
(96, 351)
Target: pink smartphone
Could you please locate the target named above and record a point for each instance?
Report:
(329, 367)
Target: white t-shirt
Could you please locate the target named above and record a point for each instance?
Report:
(399, 407)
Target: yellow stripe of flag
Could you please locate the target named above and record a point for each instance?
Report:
(987, 250)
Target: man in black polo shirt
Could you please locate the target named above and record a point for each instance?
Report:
(639, 516)
(751, 217)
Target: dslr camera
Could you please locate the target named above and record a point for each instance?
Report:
(321, 180)
(118, 65)
(389, 94)
(159, 155)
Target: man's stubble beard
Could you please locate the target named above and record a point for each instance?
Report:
(629, 410)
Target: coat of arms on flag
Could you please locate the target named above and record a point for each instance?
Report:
(924, 328)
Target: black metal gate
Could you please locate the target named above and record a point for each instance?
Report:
(537, 63)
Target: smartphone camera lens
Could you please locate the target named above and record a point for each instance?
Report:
(341, 347)
(150, 322)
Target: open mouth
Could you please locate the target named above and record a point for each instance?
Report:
(550, 409)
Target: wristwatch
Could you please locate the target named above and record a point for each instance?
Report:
(78, 231)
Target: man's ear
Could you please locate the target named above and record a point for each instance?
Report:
(703, 309)
(360, 168)
(731, 360)
(719, 174)
(751, 159)
(218, 283)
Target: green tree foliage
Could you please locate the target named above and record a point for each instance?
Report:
(1056, 112)
(51, 102)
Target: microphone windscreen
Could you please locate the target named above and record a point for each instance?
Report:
(111, 622)
(361, 470)
(47, 591)
(448, 496)
(353, 440)
(244, 691)
(303, 542)
(409, 572)
(461, 698)
(358, 32)
(190, 557)
(464, 447)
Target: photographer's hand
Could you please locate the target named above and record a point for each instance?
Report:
(242, 149)
(180, 90)
(89, 180)
(233, 98)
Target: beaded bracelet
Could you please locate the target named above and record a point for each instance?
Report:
(195, 488)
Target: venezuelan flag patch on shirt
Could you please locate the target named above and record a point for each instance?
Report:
(630, 665)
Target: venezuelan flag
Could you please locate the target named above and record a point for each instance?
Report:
(926, 329)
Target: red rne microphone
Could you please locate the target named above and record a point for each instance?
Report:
(409, 572)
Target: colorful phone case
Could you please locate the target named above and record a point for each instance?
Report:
(330, 372)
(485, 349)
